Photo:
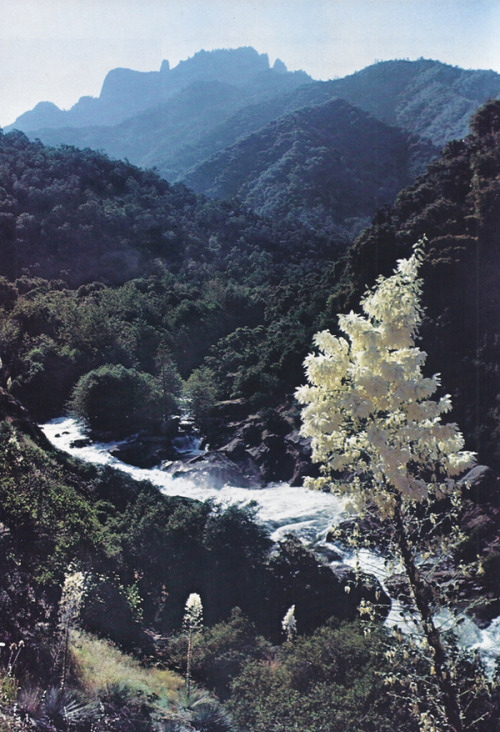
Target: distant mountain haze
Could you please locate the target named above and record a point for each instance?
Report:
(126, 92)
(228, 124)
(425, 97)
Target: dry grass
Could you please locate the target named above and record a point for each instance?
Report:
(101, 665)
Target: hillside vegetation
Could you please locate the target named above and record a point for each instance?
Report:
(136, 555)
(329, 166)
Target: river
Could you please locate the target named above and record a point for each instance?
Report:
(282, 509)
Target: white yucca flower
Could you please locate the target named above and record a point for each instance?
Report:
(192, 623)
(289, 623)
(72, 596)
(367, 401)
(371, 414)
(193, 613)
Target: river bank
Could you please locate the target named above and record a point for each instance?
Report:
(283, 509)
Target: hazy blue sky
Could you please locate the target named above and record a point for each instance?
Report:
(59, 50)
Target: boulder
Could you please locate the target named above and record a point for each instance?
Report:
(144, 454)
(482, 485)
(214, 470)
(81, 442)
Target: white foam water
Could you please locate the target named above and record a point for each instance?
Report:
(281, 508)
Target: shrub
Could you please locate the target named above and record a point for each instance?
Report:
(220, 652)
(116, 399)
(328, 681)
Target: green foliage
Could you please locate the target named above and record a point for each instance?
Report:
(220, 652)
(343, 678)
(136, 283)
(137, 273)
(309, 166)
(329, 681)
(200, 392)
(236, 525)
(35, 495)
(455, 205)
(116, 399)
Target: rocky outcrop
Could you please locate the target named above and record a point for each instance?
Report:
(13, 412)
(267, 447)
(239, 449)
(214, 469)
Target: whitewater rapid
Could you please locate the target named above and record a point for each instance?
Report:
(282, 509)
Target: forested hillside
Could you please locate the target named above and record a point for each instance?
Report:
(426, 98)
(106, 264)
(131, 268)
(456, 206)
(133, 557)
(80, 216)
(329, 166)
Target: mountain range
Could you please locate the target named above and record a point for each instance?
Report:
(329, 166)
(229, 124)
(125, 92)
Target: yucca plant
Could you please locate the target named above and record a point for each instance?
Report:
(205, 712)
(192, 623)
(66, 709)
(124, 709)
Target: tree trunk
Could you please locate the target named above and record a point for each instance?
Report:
(432, 634)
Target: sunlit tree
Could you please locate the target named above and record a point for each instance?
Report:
(375, 425)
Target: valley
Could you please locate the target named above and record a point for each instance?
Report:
(169, 250)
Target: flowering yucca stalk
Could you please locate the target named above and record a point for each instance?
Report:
(289, 623)
(192, 623)
(377, 431)
(370, 409)
(73, 593)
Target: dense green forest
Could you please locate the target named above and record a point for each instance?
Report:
(123, 297)
(330, 166)
(135, 272)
